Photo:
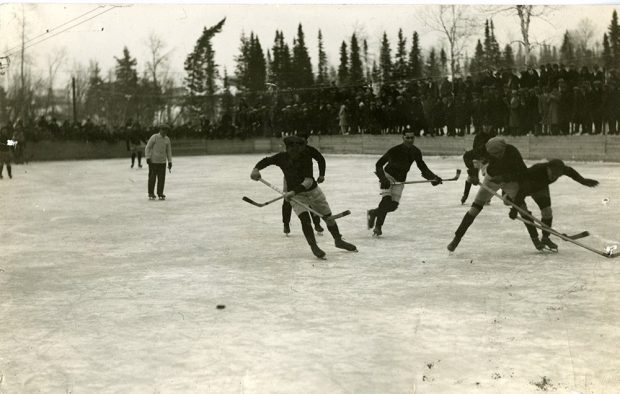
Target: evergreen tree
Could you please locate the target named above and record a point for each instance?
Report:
(520, 57)
(227, 97)
(257, 66)
(242, 63)
(322, 65)
(607, 55)
(567, 54)
(400, 59)
(443, 58)
(126, 88)
(509, 57)
(281, 63)
(302, 76)
(495, 56)
(385, 59)
(202, 72)
(488, 46)
(375, 73)
(95, 104)
(415, 57)
(614, 39)
(367, 72)
(356, 74)
(478, 63)
(343, 67)
(432, 65)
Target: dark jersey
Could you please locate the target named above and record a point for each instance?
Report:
(510, 167)
(399, 160)
(295, 171)
(316, 155)
(537, 178)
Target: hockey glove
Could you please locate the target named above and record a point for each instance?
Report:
(169, 165)
(513, 213)
(385, 183)
(320, 179)
(590, 182)
(148, 161)
(474, 180)
(289, 195)
(437, 181)
(255, 175)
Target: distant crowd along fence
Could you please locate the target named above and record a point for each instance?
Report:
(574, 147)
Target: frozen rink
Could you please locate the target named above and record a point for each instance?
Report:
(104, 291)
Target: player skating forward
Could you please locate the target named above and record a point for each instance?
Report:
(286, 205)
(505, 168)
(296, 165)
(158, 150)
(399, 160)
(536, 185)
(477, 153)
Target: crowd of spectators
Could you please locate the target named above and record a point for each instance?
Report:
(551, 100)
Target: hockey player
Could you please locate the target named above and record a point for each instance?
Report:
(475, 154)
(135, 144)
(399, 160)
(536, 183)
(286, 205)
(158, 150)
(5, 152)
(296, 165)
(505, 168)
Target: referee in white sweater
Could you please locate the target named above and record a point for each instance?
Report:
(157, 151)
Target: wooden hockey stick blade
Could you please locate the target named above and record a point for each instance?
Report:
(568, 239)
(454, 178)
(338, 216)
(260, 205)
(580, 235)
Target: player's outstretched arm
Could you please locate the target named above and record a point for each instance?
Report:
(572, 173)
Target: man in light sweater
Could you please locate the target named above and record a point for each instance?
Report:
(157, 151)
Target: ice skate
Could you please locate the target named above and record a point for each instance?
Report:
(370, 218)
(549, 244)
(317, 251)
(463, 199)
(377, 231)
(537, 244)
(162, 196)
(342, 244)
(152, 197)
(286, 229)
(455, 242)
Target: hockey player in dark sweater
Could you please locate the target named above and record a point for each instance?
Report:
(535, 183)
(505, 169)
(477, 153)
(296, 165)
(286, 206)
(397, 162)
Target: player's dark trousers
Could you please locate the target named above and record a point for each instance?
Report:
(157, 172)
(386, 205)
(133, 158)
(287, 208)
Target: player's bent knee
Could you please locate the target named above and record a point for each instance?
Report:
(546, 213)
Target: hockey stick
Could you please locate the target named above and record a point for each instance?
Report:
(260, 205)
(454, 178)
(540, 225)
(324, 217)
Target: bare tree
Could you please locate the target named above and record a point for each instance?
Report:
(526, 14)
(158, 56)
(584, 33)
(55, 60)
(456, 23)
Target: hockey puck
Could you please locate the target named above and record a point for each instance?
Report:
(221, 306)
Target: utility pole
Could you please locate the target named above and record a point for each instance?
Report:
(73, 96)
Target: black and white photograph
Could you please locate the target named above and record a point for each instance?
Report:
(309, 198)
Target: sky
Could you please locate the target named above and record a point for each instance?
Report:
(100, 31)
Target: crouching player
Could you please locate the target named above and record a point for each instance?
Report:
(296, 165)
(536, 183)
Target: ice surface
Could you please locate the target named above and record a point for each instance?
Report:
(102, 290)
